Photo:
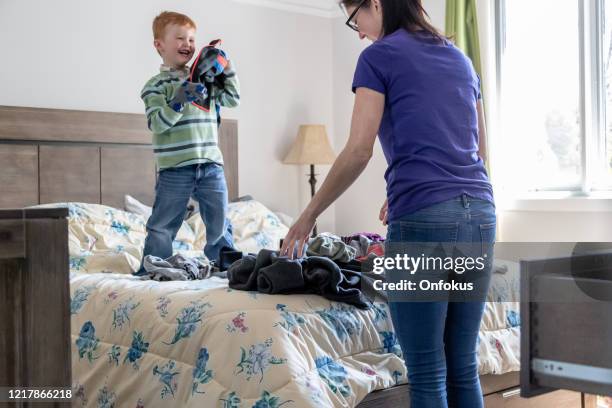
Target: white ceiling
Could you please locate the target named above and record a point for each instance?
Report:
(321, 8)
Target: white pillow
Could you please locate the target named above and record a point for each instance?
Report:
(287, 220)
(103, 238)
(107, 239)
(134, 206)
(255, 227)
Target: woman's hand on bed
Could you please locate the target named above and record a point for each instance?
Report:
(383, 213)
(297, 237)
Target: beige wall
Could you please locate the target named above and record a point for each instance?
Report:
(97, 55)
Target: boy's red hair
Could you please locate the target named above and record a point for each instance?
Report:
(166, 18)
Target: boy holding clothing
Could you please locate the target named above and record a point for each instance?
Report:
(185, 142)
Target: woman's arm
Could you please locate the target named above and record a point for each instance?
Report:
(350, 163)
(482, 132)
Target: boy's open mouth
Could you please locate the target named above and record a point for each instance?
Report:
(185, 52)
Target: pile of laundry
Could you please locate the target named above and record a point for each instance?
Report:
(360, 246)
(179, 267)
(269, 273)
(337, 268)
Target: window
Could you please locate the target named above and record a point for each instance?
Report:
(555, 95)
(606, 33)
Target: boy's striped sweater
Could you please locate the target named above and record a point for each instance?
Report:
(190, 136)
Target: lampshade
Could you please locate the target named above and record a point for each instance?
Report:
(311, 147)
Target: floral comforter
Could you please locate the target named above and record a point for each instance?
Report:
(151, 344)
(499, 337)
(142, 343)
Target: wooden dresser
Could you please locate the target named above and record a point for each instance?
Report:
(34, 300)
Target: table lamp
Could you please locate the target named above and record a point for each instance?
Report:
(311, 147)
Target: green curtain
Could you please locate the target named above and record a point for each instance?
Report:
(462, 28)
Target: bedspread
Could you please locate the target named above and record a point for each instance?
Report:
(199, 343)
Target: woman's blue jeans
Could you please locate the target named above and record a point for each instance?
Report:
(439, 337)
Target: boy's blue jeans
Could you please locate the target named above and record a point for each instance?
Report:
(206, 183)
(439, 338)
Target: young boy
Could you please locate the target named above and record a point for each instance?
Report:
(185, 142)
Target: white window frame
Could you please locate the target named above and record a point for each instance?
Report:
(591, 196)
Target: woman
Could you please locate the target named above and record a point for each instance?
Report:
(421, 95)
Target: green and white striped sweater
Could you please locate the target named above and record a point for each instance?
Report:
(187, 137)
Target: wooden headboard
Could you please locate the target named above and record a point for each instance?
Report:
(53, 155)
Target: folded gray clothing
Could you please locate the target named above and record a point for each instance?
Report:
(273, 274)
(361, 243)
(367, 286)
(240, 274)
(178, 267)
(243, 273)
(280, 277)
(332, 247)
(332, 282)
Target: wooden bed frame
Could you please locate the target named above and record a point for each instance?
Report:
(51, 155)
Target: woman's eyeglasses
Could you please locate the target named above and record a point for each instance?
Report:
(349, 22)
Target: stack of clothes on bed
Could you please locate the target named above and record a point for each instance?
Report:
(272, 274)
(331, 268)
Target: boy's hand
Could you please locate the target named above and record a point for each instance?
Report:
(187, 92)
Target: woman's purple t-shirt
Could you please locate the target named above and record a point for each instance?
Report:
(429, 129)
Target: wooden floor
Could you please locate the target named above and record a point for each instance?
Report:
(398, 397)
(395, 397)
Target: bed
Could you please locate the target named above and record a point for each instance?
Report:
(144, 343)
